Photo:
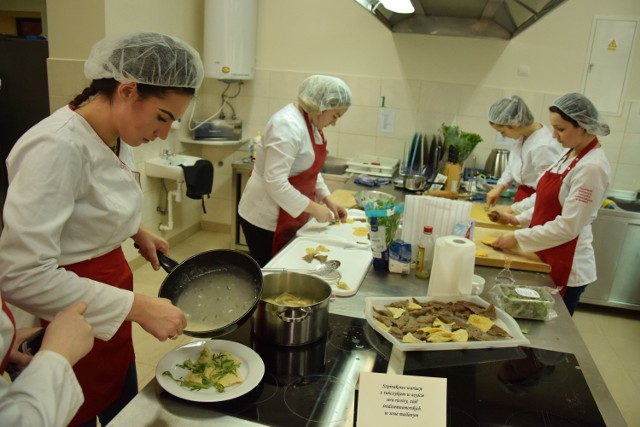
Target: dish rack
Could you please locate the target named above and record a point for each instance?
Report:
(373, 165)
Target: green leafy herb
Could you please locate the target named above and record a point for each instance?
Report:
(459, 144)
(207, 371)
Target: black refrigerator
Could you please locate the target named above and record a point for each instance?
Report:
(24, 93)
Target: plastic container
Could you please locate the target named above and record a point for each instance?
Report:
(426, 246)
(373, 165)
(379, 247)
(254, 145)
(399, 254)
(525, 302)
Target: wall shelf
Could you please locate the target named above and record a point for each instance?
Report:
(214, 143)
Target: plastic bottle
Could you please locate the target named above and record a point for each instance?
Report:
(399, 253)
(379, 245)
(253, 146)
(425, 253)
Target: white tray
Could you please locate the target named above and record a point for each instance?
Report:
(503, 320)
(341, 233)
(354, 262)
(373, 165)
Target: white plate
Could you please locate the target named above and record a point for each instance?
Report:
(504, 320)
(251, 370)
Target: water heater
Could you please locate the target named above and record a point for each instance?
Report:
(230, 39)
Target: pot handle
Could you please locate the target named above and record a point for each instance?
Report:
(305, 313)
(167, 263)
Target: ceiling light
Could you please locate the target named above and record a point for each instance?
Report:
(398, 6)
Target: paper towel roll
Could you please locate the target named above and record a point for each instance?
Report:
(453, 265)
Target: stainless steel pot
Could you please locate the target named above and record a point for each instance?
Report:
(496, 162)
(288, 325)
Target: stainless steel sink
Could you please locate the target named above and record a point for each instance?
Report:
(627, 205)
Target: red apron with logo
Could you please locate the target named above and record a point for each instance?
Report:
(547, 207)
(522, 192)
(5, 359)
(305, 183)
(102, 371)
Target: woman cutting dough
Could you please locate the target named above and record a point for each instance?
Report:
(567, 200)
(534, 151)
(286, 187)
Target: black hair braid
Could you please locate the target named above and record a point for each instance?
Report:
(106, 86)
(87, 93)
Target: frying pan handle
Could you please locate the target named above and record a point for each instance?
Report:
(167, 263)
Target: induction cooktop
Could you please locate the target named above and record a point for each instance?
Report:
(316, 384)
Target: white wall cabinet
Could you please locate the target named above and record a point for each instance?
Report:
(607, 69)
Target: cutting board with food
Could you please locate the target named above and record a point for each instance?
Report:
(353, 232)
(481, 216)
(490, 257)
(344, 198)
(305, 254)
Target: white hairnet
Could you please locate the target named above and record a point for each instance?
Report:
(580, 109)
(146, 58)
(510, 111)
(320, 93)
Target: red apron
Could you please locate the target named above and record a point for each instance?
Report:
(305, 183)
(5, 359)
(522, 192)
(102, 371)
(547, 207)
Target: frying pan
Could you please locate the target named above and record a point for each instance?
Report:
(226, 284)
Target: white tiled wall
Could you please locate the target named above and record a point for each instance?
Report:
(420, 106)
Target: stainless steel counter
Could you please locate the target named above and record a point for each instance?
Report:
(559, 334)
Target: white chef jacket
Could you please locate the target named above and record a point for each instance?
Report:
(46, 393)
(530, 157)
(581, 195)
(70, 199)
(285, 151)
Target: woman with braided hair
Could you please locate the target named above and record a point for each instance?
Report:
(74, 198)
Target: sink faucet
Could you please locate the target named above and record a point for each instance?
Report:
(166, 154)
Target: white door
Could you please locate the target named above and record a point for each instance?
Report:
(607, 70)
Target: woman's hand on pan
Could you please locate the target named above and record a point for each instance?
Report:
(157, 316)
(148, 243)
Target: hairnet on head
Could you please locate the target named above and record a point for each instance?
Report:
(320, 93)
(147, 58)
(580, 109)
(510, 111)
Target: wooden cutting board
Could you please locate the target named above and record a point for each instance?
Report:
(482, 219)
(496, 258)
(344, 198)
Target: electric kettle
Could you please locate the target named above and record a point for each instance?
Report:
(496, 162)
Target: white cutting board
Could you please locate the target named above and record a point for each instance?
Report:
(354, 262)
(342, 232)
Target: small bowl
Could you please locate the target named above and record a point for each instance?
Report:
(415, 182)
(477, 285)
(364, 197)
